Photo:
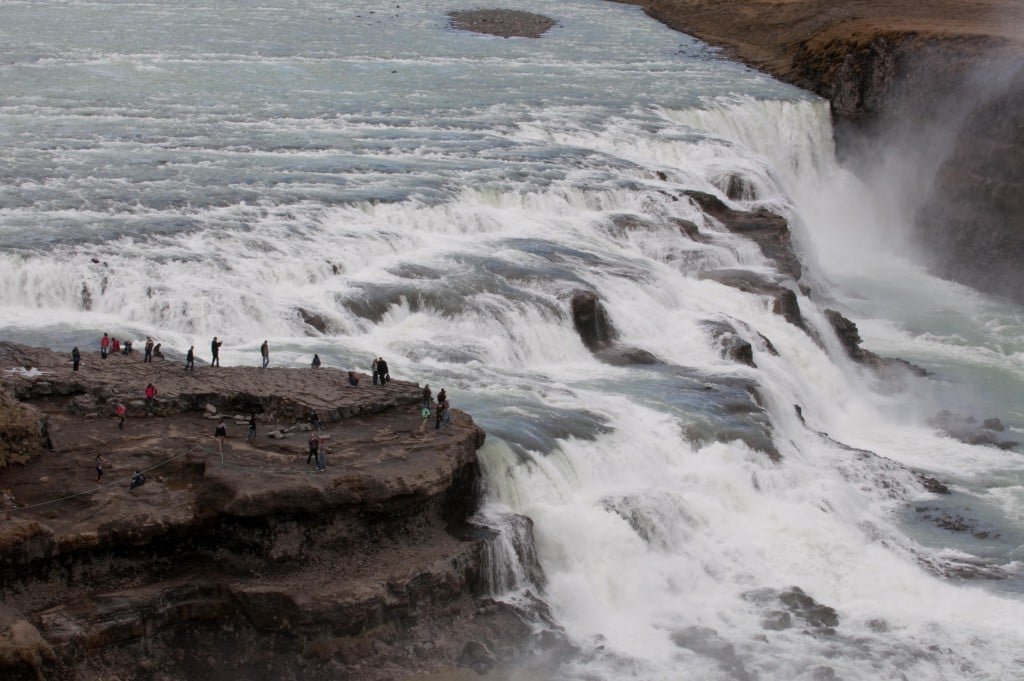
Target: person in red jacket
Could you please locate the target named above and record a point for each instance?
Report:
(150, 399)
(104, 346)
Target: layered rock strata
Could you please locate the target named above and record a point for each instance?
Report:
(245, 563)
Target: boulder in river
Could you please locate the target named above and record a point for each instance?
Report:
(591, 320)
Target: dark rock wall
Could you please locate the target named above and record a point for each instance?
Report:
(955, 106)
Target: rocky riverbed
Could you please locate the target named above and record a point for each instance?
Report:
(246, 563)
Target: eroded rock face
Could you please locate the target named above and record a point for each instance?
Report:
(591, 321)
(250, 559)
(730, 343)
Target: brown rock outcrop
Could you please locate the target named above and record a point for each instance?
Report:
(246, 563)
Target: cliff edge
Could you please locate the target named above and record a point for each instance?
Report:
(940, 81)
(242, 561)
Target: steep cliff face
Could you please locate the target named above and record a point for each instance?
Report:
(941, 80)
(246, 563)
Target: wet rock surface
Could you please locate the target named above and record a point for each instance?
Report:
(968, 429)
(766, 229)
(246, 563)
(591, 321)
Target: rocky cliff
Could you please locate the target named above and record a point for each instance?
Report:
(245, 563)
(943, 80)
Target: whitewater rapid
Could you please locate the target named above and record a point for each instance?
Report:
(185, 170)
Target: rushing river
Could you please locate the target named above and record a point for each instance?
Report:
(189, 169)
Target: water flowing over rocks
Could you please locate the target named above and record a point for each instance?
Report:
(249, 560)
(591, 321)
(766, 229)
(942, 66)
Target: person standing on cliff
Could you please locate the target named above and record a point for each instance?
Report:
(426, 396)
(122, 413)
(148, 354)
(215, 352)
(382, 368)
(190, 359)
(251, 435)
(321, 456)
(76, 358)
(150, 399)
(314, 447)
(220, 433)
(6, 502)
(104, 346)
(316, 361)
(442, 399)
(373, 370)
(265, 354)
(100, 463)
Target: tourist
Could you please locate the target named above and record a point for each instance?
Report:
(382, 369)
(215, 352)
(127, 348)
(442, 399)
(104, 346)
(44, 432)
(100, 463)
(265, 354)
(321, 456)
(314, 447)
(447, 420)
(220, 433)
(138, 479)
(373, 370)
(156, 351)
(115, 346)
(147, 356)
(251, 435)
(190, 359)
(314, 420)
(150, 399)
(76, 358)
(122, 413)
(6, 502)
(353, 379)
(316, 361)
(426, 396)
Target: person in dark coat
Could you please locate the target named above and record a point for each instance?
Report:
(138, 479)
(353, 379)
(251, 435)
(316, 361)
(442, 399)
(426, 396)
(156, 351)
(221, 434)
(314, 447)
(215, 352)
(190, 359)
(76, 358)
(147, 356)
(265, 353)
(382, 369)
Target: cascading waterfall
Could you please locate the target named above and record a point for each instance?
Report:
(439, 198)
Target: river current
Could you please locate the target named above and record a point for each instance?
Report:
(189, 169)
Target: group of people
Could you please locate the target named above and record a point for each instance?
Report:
(113, 346)
(443, 416)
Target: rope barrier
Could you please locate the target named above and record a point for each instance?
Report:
(116, 481)
(191, 449)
